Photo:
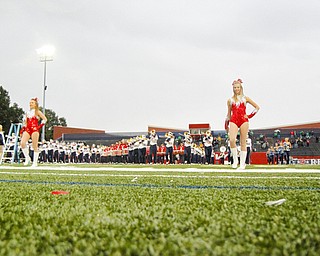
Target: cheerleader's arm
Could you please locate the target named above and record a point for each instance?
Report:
(255, 105)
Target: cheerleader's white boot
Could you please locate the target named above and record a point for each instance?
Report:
(35, 159)
(25, 152)
(243, 156)
(234, 153)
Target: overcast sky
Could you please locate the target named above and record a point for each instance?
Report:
(123, 65)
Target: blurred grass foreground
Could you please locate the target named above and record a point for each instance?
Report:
(167, 212)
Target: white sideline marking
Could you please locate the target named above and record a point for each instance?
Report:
(150, 169)
(155, 175)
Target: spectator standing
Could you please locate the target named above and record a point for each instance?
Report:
(270, 155)
(287, 146)
(280, 152)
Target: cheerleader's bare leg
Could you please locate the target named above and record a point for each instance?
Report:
(244, 128)
(233, 131)
(24, 148)
(35, 139)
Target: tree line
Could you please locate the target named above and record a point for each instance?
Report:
(12, 113)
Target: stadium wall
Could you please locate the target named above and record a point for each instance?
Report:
(261, 158)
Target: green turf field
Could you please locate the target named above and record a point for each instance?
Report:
(175, 210)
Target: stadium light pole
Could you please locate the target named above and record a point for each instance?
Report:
(46, 54)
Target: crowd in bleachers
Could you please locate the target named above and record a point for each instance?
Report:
(297, 139)
(279, 151)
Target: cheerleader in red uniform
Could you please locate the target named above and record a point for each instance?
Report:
(31, 130)
(238, 119)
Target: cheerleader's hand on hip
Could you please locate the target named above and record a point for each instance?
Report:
(255, 111)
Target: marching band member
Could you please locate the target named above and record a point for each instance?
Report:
(86, 154)
(202, 154)
(161, 153)
(222, 154)
(56, 153)
(117, 152)
(125, 151)
(44, 152)
(153, 138)
(50, 151)
(187, 147)
(73, 153)
(103, 155)
(93, 153)
(113, 153)
(80, 153)
(249, 149)
(207, 140)
(193, 153)
(238, 119)
(197, 154)
(181, 152)
(142, 148)
(131, 150)
(31, 130)
(66, 148)
(99, 153)
(213, 157)
(169, 147)
(107, 154)
(68, 152)
(147, 152)
(62, 154)
(41, 152)
(120, 152)
(139, 149)
(136, 150)
(176, 156)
